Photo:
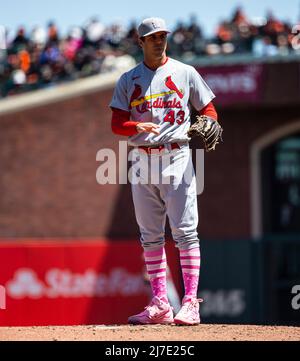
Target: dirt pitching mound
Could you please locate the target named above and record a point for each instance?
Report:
(204, 332)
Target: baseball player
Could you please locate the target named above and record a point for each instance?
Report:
(151, 105)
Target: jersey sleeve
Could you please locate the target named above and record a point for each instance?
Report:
(200, 92)
(120, 99)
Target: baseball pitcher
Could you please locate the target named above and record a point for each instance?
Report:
(151, 105)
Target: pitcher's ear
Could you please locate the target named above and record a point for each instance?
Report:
(141, 41)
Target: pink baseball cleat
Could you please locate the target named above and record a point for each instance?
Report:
(189, 313)
(157, 312)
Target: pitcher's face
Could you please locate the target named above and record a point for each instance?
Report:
(154, 46)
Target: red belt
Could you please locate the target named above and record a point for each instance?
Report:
(158, 147)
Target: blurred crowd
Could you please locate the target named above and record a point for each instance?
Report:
(44, 57)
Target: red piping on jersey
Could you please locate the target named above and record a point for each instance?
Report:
(210, 111)
(121, 123)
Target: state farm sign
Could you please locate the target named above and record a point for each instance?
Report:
(65, 283)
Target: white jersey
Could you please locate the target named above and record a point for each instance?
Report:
(162, 96)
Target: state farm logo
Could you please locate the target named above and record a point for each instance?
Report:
(25, 283)
(64, 283)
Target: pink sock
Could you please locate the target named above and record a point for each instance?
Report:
(156, 268)
(190, 266)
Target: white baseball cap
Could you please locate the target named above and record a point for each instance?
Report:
(152, 25)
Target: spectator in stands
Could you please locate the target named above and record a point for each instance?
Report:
(263, 47)
(129, 44)
(195, 36)
(94, 32)
(20, 40)
(177, 39)
(273, 27)
(38, 36)
(53, 36)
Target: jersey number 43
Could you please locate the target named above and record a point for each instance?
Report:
(171, 117)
